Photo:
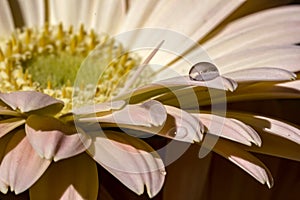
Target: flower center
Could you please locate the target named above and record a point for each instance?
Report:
(48, 59)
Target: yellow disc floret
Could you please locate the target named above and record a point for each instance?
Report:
(47, 60)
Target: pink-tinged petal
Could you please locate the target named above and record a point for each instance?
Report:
(244, 160)
(150, 113)
(277, 146)
(261, 74)
(10, 124)
(130, 160)
(270, 126)
(229, 128)
(99, 108)
(187, 127)
(179, 125)
(75, 178)
(27, 101)
(21, 166)
(52, 139)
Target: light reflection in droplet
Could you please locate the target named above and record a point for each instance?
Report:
(203, 71)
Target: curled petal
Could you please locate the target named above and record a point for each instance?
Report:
(10, 124)
(150, 113)
(54, 140)
(261, 74)
(187, 127)
(270, 126)
(27, 101)
(179, 125)
(229, 128)
(78, 180)
(99, 108)
(244, 160)
(21, 166)
(130, 160)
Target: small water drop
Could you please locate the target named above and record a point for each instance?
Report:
(203, 71)
(178, 132)
(163, 172)
(172, 132)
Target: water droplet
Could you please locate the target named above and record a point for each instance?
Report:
(172, 132)
(163, 172)
(178, 132)
(203, 71)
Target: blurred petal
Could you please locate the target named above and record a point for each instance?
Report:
(6, 111)
(229, 128)
(70, 17)
(98, 108)
(32, 19)
(261, 74)
(108, 15)
(75, 178)
(10, 124)
(27, 101)
(52, 139)
(143, 165)
(150, 113)
(6, 19)
(21, 167)
(244, 160)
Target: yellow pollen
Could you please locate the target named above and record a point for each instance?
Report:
(47, 60)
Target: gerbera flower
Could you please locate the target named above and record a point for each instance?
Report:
(41, 142)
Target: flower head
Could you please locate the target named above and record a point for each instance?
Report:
(50, 116)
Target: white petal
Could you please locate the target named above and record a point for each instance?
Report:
(6, 19)
(281, 33)
(150, 113)
(196, 20)
(27, 101)
(269, 16)
(21, 167)
(98, 108)
(261, 74)
(52, 139)
(284, 57)
(270, 126)
(244, 160)
(229, 128)
(130, 160)
(78, 180)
